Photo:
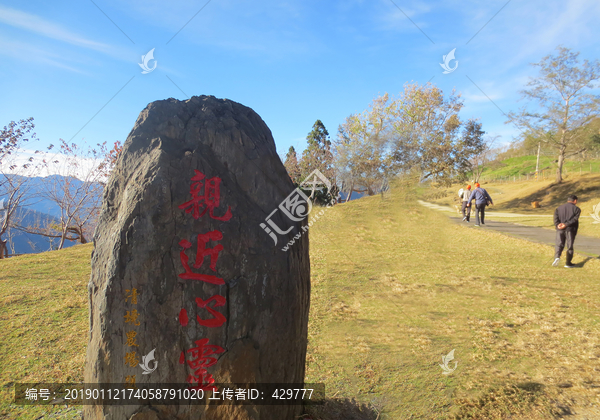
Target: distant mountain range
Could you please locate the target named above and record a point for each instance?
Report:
(41, 211)
(29, 243)
(37, 211)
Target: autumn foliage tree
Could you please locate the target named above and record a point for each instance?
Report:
(562, 104)
(419, 132)
(430, 137)
(76, 190)
(361, 157)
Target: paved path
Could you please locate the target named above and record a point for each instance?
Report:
(583, 244)
(489, 212)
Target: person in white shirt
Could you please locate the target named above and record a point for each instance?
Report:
(464, 194)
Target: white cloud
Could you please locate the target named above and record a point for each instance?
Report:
(39, 56)
(564, 23)
(61, 54)
(56, 164)
(271, 28)
(524, 32)
(36, 24)
(471, 98)
(393, 15)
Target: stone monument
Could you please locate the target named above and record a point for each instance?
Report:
(186, 287)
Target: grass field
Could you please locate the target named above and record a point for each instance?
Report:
(395, 287)
(43, 325)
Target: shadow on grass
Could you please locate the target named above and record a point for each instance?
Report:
(528, 400)
(552, 196)
(582, 263)
(341, 409)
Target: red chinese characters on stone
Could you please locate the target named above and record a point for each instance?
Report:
(201, 358)
(201, 354)
(183, 317)
(207, 200)
(201, 253)
(218, 318)
(206, 196)
(203, 379)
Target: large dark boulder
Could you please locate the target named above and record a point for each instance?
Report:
(149, 229)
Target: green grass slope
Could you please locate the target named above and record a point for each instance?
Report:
(524, 165)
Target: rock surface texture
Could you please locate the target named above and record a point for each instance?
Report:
(156, 219)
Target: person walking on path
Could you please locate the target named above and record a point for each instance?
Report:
(482, 199)
(566, 221)
(464, 195)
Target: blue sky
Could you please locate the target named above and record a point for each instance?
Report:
(291, 61)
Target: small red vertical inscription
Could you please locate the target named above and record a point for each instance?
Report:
(183, 317)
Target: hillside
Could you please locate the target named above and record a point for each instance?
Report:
(522, 166)
(517, 197)
(395, 287)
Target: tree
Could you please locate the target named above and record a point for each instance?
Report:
(292, 166)
(481, 159)
(112, 156)
(13, 191)
(427, 134)
(13, 136)
(591, 140)
(361, 160)
(565, 104)
(77, 191)
(419, 132)
(319, 156)
(14, 175)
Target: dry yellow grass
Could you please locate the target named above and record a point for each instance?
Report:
(43, 325)
(397, 286)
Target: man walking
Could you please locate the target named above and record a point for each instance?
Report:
(464, 195)
(482, 199)
(566, 220)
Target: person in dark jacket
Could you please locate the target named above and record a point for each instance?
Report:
(482, 199)
(566, 221)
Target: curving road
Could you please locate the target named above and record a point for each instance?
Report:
(583, 244)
